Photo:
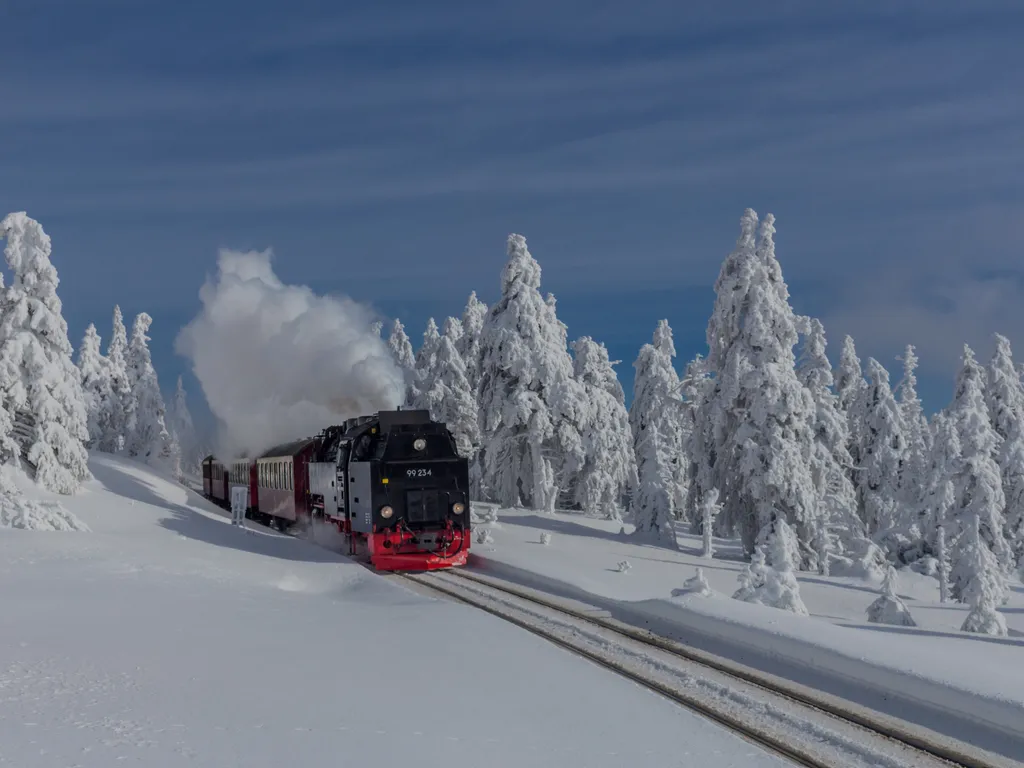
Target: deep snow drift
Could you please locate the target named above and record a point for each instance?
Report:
(968, 686)
(166, 637)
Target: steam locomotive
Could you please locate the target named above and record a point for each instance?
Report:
(393, 483)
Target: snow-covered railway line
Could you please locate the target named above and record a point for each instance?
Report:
(804, 726)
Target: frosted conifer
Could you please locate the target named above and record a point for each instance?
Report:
(709, 508)
(183, 429)
(469, 344)
(401, 351)
(913, 482)
(525, 370)
(883, 451)
(1006, 411)
(831, 461)
(980, 583)
(42, 389)
(758, 420)
(424, 362)
(150, 440)
(96, 389)
(652, 505)
(451, 401)
(121, 420)
(889, 608)
(656, 400)
(609, 469)
(977, 483)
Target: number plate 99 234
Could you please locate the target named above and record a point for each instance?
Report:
(419, 473)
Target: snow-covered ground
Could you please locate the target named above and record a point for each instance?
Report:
(164, 636)
(968, 686)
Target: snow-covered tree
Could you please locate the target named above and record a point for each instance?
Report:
(942, 563)
(609, 468)
(850, 384)
(830, 461)
(940, 495)
(653, 505)
(524, 374)
(454, 332)
(183, 429)
(774, 585)
(978, 489)
(401, 351)
(123, 406)
(915, 475)
(41, 385)
(758, 420)
(709, 508)
(376, 327)
(96, 389)
(424, 361)
(979, 582)
(468, 345)
(450, 400)
(657, 400)
(889, 608)
(150, 441)
(883, 451)
(1006, 411)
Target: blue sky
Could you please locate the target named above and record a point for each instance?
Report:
(386, 150)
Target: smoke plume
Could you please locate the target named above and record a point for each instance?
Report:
(277, 362)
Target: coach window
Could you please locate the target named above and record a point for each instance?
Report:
(277, 475)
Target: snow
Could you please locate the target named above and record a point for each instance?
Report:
(905, 671)
(166, 637)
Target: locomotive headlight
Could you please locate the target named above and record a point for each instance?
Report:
(419, 444)
(458, 508)
(386, 512)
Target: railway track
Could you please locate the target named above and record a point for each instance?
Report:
(804, 726)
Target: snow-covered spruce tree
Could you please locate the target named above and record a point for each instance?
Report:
(709, 509)
(401, 351)
(774, 585)
(915, 475)
(694, 388)
(121, 420)
(656, 400)
(376, 327)
(524, 371)
(758, 420)
(468, 345)
(889, 608)
(1006, 411)
(424, 362)
(42, 389)
(454, 332)
(883, 451)
(183, 430)
(652, 505)
(96, 389)
(940, 495)
(609, 469)
(831, 462)
(850, 384)
(979, 582)
(977, 485)
(450, 400)
(150, 441)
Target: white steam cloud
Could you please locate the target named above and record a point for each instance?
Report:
(277, 362)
